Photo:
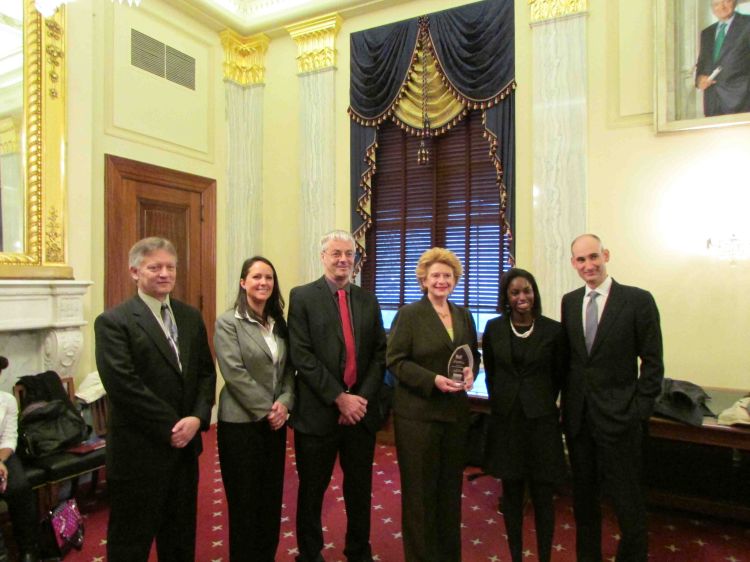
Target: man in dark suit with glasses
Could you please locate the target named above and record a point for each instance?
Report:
(337, 344)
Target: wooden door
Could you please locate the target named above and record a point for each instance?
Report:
(146, 200)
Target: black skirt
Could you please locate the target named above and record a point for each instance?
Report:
(525, 448)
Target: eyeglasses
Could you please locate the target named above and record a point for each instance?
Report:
(337, 255)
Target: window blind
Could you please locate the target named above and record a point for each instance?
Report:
(453, 202)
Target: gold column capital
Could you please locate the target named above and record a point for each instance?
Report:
(316, 42)
(243, 57)
(541, 10)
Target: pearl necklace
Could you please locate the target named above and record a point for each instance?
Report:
(525, 334)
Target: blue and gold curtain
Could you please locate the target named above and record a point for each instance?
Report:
(441, 66)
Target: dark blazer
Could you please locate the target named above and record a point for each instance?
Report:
(248, 369)
(731, 93)
(147, 391)
(616, 392)
(317, 351)
(537, 385)
(419, 348)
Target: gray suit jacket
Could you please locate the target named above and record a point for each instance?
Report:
(248, 370)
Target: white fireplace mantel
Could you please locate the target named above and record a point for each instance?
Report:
(40, 326)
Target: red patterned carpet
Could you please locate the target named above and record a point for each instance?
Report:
(674, 537)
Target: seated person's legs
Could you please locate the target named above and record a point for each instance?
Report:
(22, 508)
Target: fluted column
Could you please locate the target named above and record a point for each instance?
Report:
(559, 130)
(316, 60)
(243, 80)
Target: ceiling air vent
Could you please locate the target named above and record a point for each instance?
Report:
(162, 60)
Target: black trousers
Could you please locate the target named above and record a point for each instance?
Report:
(613, 466)
(316, 455)
(162, 507)
(431, 460)
(252, 467)
(544, 516)
(21, 506)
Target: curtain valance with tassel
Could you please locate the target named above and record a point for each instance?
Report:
(425, 74)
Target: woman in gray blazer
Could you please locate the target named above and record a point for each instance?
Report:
(431, 410)
(251, 342)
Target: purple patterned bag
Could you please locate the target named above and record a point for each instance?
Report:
(66, 524)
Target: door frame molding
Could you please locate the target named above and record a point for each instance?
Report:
(117, 171)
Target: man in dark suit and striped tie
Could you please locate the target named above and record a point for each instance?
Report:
(337, 345)
(614, 376)
(153, 357)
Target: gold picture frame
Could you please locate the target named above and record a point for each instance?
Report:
(677, 30)
(43, 148)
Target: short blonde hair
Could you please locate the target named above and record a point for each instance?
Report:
(341, 235)
(143, 247)
(438, 255)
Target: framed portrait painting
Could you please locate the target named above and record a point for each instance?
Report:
(702, 55)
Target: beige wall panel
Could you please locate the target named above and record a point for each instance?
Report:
(84, 223)
(148, 108)
(635, 56)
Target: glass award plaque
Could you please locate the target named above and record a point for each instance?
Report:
(460, 358)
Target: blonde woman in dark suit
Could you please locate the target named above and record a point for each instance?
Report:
(251, 346)
(525, 361)
(431, 410)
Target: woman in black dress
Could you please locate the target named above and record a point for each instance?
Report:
(524, 361)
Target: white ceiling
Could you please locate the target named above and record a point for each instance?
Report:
(248, 17)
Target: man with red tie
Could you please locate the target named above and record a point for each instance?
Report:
(337, 344)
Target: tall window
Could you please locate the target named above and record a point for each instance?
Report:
(453, 201)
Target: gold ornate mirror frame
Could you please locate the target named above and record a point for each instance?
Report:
(43, 140)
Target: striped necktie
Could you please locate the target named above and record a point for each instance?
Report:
(171, 328)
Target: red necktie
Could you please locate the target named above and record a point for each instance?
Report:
(350, 366)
